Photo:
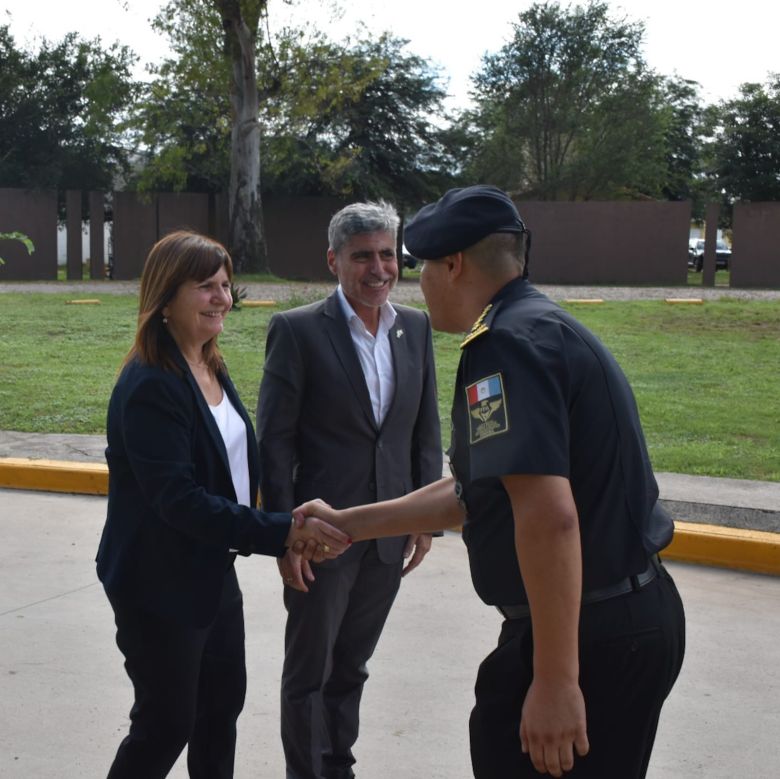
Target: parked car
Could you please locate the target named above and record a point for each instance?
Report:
(407, 259)
(696, 254)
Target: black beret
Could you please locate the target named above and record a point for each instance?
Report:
(460, 219)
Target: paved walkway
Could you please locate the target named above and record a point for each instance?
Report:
(64, 697)
(408, 291)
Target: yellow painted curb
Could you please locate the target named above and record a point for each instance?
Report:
(54, 475)
(728, 547)
(584, 300)
(85, 302)
(257, 303)
(684, 300)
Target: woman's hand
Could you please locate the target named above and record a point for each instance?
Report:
(312, 536)
(295, 571)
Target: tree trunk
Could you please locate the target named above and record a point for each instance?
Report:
(246, 230)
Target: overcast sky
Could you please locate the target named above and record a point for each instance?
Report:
(720, 44)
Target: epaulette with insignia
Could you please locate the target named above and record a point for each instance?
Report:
(478, 328)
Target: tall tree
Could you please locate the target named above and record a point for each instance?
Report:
(240, 20)
(347, 118)
(355, 120)
(216, 43)
(683, 136)
(745, 153)
(568, 108)
(62, 112)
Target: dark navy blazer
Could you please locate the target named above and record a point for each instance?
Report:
(172, 517)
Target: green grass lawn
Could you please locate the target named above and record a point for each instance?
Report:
(705, 376)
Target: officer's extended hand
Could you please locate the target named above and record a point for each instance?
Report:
(324, 512)
(417, 546)
(553, 725)
(314, 538)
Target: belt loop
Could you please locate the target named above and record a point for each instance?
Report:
(635, 585)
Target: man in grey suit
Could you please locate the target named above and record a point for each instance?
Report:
(348, 413)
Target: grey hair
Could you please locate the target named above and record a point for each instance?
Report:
(358, 218)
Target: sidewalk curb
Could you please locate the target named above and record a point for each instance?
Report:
(54, 476)
(726, 547)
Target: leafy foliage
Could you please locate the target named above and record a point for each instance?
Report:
(238, 294)
(17, 236)
(568, 109)
(745, 152)
(355, 120)
(183, 121)
(348, 118)
(62, 113)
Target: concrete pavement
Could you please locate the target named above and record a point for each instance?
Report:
(64, 697)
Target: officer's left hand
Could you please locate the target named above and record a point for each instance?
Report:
(552, 722)
(420, 545)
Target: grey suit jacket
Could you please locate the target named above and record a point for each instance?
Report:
(316, 431)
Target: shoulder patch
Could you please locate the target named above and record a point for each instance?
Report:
(478, 328)
(486, 401)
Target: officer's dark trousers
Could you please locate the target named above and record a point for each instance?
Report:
(631, 651)
(189, 687)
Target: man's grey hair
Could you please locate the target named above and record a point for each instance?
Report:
(358, 218)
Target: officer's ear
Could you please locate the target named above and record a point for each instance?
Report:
(454, 264)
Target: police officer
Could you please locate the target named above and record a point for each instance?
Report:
(562, 523)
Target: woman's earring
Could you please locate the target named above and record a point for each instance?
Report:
(165, 320)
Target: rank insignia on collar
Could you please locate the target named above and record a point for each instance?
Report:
(487, 408)
(478, 328)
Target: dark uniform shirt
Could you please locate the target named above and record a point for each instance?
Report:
(537, 393)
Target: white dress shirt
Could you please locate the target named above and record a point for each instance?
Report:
(374, 354)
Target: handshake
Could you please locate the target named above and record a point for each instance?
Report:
(319, 532)
(315, 533)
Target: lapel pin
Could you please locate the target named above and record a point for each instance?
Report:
(399, 333)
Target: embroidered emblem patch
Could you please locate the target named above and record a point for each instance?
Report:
(487, 408)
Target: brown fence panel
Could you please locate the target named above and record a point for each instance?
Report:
(97, 217)
(755, 257)
(296, 231)
(182, 211)
(573, 243)
(141, 220)
(135, 232)
(73, 257)
(33, 213)
(608, 242)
